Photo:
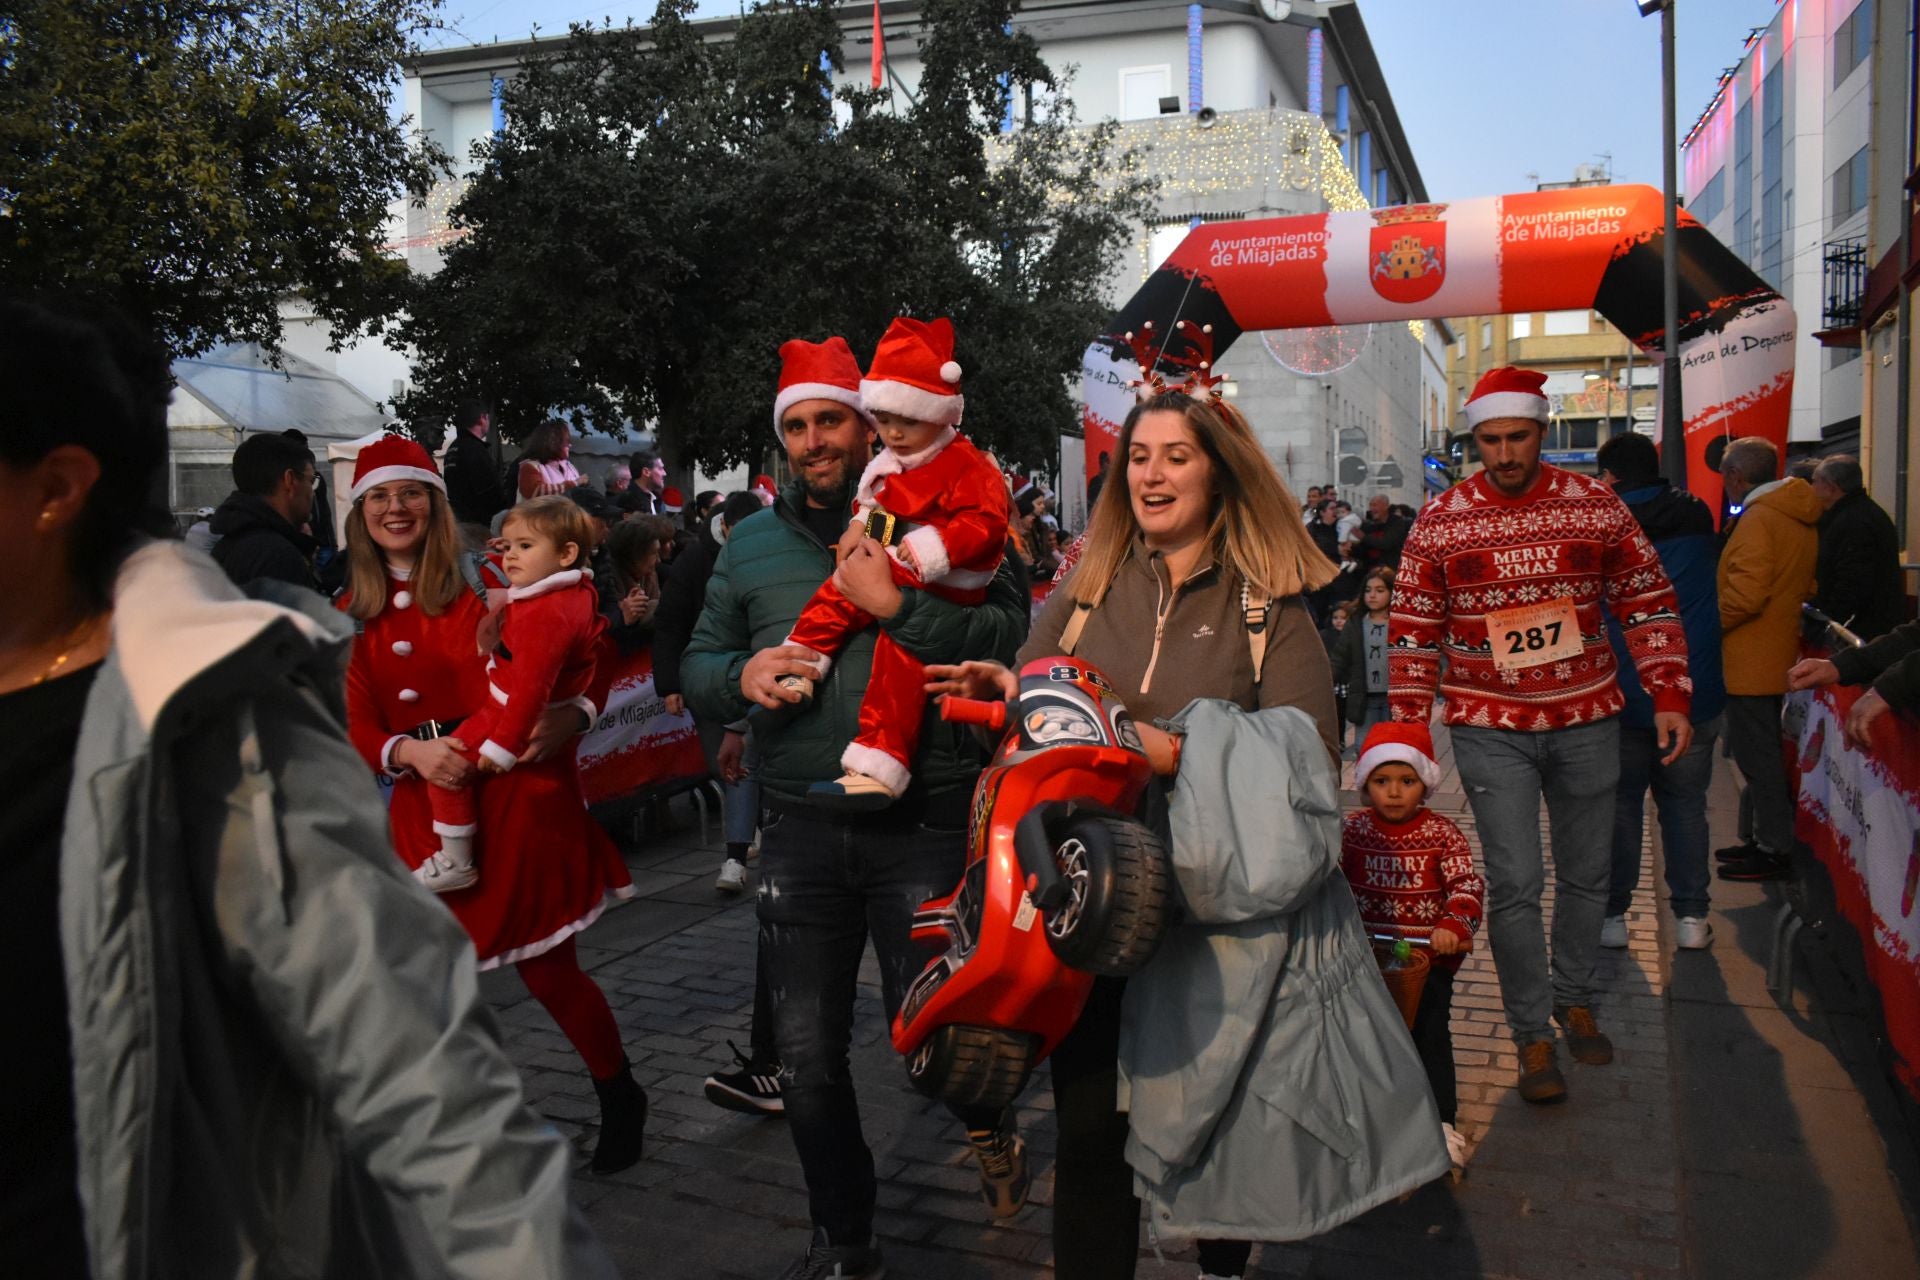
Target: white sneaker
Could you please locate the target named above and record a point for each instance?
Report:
(732, 877)
(1692, 933)
(442, 875)
(1613, 932)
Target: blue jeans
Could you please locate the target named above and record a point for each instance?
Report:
(740, 801)
(826, 886)
(1506, 774)
(1376, 711)
(1680, 800)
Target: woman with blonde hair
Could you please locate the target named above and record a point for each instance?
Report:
(416, 672)
(1190, 588)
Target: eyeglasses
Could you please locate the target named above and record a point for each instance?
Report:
(412, 498)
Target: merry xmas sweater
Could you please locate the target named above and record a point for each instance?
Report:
(1412, 877)
(1474, 551)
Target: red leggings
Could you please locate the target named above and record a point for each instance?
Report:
(578, 1005)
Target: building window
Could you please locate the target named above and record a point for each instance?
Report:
(1565, 324)
(1141, 89)
(1852, 42)
(1486, 334)
(1743, 182)
(1522, 326)
(1850, 187)
(1711, 198)
(1162, 241)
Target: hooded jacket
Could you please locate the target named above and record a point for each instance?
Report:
(1766, 573)
(1680, 527)
(256, 541)
(283, 1065)
(1858, 571)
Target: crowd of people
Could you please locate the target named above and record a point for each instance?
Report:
(269, 974)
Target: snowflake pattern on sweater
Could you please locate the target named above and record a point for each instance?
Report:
(1474, 551)
(1412, 877)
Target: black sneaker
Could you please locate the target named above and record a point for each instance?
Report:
(754, 1088)
(1762, 866)
(1738, 852)
(1003, 1167)
(823, 1261)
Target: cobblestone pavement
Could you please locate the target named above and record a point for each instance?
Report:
(1587, 1189)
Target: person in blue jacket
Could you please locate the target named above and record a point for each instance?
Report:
(1680, 526)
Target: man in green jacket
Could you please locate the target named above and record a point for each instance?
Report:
(827, 881)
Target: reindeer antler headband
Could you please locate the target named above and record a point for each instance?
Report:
(1200, 382)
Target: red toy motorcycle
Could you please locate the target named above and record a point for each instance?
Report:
(1062, 883)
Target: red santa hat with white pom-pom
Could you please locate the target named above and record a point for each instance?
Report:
(913, 373)
(817, 371)
(1395, 742)
(1508, 392)
(393, 458)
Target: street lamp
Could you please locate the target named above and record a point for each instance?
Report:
(1673, 435)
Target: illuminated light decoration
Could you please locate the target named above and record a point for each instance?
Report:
(1319, 352)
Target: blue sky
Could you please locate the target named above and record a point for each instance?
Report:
(1489, 91)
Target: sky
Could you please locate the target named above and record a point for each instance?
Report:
(1490, 92)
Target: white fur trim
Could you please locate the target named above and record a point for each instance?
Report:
(451, 829)
(499, 694)
(387, 475)
(552, 582)
(929, 552)
(799, 391)
(886, 463)
(820, 662)
(386, 756)
(1506, 404)
(911, 402)
(560, 935)
(498, 754)
(963, 579)
(1397, 752)
(878, 765)
(585, 704)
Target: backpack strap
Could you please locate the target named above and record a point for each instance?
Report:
(1254, 614)
(1070, 634)
(470, 562)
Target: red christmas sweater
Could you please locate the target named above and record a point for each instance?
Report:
(1474, 551)
(1413, 877)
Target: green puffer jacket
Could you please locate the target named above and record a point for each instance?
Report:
(769, 568)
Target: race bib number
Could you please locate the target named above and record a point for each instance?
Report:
(1534, 634)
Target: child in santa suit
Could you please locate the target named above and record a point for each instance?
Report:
(1412, 875)
(549, 631)
(940, 507)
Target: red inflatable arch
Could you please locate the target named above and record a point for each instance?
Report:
(1598, 247)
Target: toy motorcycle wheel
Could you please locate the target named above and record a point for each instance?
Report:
(1116, 874)
(972, 1066)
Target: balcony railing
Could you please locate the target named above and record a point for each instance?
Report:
(1846, 283)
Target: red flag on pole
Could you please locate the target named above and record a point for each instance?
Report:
(879, 49)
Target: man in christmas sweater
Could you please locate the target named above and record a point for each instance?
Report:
(1504, 577)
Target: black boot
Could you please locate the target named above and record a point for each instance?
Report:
(623, 1121)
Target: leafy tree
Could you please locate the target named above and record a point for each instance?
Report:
(195, 161)
(662, 211)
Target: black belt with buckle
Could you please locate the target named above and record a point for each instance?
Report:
(428, 730)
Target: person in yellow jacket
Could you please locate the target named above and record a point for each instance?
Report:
(1765, 573)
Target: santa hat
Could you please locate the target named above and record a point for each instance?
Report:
(1025, 492)
(913, 373)
(817, 371)
(1398, 742)
(1507, 392)
(393, 458)
(671, 499)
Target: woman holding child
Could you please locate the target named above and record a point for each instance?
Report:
(546, 870)
(1274, 1092)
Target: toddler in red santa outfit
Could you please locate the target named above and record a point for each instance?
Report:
(549, 631)
(939, 506)
(1412, 875)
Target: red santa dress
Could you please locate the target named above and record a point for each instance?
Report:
(952, 504)
(550, 869)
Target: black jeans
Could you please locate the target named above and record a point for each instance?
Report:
(1434, 1041)
(1096, 1216)
(826, 886)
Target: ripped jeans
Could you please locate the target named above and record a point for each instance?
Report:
(1506, 773)
(827, 884)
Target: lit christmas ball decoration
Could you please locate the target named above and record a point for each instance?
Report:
(1317, 352)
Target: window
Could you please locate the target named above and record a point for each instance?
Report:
(1141, 89)
(1853, 41)
(1711, 198)
(1773, 103)
(1743, 182)
(1522, 326)
(1850, 187)
(1162, 241)
(1486, 334)
(1565, 324)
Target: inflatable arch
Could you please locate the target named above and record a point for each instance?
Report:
(1598, 247)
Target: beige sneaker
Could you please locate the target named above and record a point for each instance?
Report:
(851, 793)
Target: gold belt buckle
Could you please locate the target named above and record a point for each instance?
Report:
(880, 526)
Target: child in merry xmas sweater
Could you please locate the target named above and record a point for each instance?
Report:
(550, 628)
(1412, 875)
(940, 508)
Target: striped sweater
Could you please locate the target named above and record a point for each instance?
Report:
(1412, 877)
(1474, 552)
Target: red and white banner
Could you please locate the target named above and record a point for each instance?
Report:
(1860, 812)
(637, 743)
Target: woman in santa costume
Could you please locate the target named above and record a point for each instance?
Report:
(416, 672)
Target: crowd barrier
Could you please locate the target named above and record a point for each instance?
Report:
(637, 745)
(1859, 811)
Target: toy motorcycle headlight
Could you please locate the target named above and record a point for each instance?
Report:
(1061, 724)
